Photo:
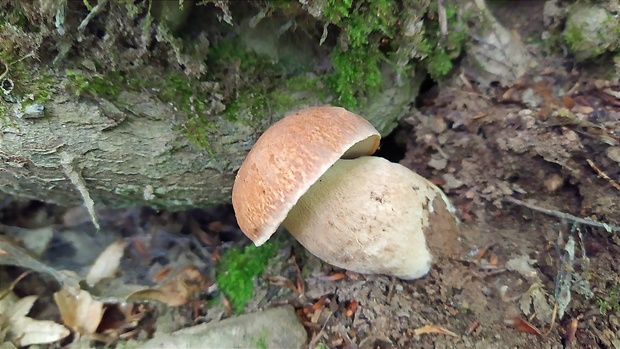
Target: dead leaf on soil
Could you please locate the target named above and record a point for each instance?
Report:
(565, 277)
(24, 331)
(178, 289)
(283, 281)
(523, 266)
(433, 329)
(78, 310)
(11, 254)
(536, 297)
(107, 263)
(571, 332)
(499, 54)
(352, 308)
(332, 277)
(522, 325)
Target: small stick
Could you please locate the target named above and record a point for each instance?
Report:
(98, 8)
(603, 174)
(6, 71)
(587, 221)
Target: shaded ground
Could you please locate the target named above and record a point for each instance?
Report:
(525, 280)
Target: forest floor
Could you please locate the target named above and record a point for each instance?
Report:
(511, 158)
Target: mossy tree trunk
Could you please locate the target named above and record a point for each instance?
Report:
(130, 155)
(152, 103)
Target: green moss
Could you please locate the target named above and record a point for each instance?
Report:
(175, 88)
(261, 343)
(356, 74)
(335, 10)
(440, 50)
(611, 301)
(574, 37)
(238, 268)
(356, 64)
(234, 52)
(97, 85)
(30, 86)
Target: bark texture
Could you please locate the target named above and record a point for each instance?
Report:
(130, 84)
(129, 156)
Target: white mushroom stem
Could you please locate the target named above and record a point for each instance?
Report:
(369, 215)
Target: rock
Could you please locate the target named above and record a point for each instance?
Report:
(614, 153)
(273, 328)
(590, 31)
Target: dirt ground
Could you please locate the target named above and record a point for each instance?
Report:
(525, 278)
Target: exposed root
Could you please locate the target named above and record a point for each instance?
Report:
(98, 8)
(587, 221)
(603, 174)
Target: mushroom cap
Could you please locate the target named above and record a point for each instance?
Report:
(373, 216)
(291, 156)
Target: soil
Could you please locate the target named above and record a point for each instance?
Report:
(526, 279)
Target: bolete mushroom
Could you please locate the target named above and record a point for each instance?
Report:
(312, 172)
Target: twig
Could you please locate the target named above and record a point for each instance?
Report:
(443, 18)
(317, 337)
(6, 71)
(603, 174)
(98, 8)
(587, 221)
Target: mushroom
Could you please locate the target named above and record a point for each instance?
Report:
(312, 172)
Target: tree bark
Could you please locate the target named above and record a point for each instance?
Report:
(124, 157)
(127, 149)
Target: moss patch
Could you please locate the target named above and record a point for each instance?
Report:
(611, 301)
(238, 268)
(29, 87)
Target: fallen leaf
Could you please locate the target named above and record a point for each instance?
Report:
(571, 332)
(493, 259)
(318, 304)
(78, 310)
(282, 281)
(352, 308)
(24, 331)
(333, 277)
(107, 263)
(523, 265)
(433, 329)
(177, 289)
(472, 327)
(14, 255)
(522, 325)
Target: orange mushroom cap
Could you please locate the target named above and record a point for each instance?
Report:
(289, 158)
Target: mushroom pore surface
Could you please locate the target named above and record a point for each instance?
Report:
(372, 216)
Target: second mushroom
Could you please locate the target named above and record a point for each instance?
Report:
(312, 171)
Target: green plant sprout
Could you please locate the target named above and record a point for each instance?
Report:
(610, 302)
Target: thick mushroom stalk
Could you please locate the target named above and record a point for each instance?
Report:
(372, 216)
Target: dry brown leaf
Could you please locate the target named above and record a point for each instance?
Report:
(79, 310)
(434, 329)
(107, 263)
(178, 289)
(24, 331)
(352, 308)
(571, 332)
(282, 281)
(333, 277)
(522, 325)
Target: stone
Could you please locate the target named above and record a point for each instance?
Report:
(273, 328)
